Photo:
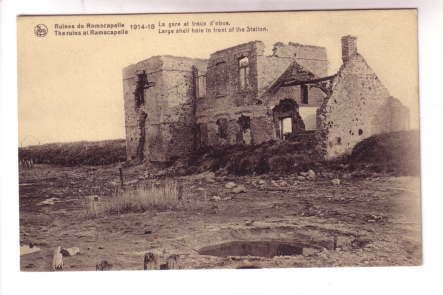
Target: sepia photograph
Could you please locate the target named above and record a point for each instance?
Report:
(240, 140)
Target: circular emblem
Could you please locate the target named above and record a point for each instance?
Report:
(40, 30)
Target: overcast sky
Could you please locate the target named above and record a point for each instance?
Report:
(70, 88)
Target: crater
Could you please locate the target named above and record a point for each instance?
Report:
(266, 249)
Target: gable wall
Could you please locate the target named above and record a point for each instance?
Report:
(357, 108)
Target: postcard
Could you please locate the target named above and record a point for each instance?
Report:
(219, 140)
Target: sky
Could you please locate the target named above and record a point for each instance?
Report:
(70, 87)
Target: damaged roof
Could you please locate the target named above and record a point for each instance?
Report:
(292, 71)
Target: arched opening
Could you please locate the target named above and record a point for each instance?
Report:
(287, 119)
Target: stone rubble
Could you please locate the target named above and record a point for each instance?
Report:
(70, 251)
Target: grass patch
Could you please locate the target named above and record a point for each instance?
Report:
(167, 195)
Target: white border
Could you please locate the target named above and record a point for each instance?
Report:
(394, 280)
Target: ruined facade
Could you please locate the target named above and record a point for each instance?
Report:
(174, 105)
(159, 104)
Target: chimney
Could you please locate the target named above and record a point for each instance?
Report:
(348, 47)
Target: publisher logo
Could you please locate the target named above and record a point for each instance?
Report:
(40, 30)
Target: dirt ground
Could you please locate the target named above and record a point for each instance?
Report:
(371, 221)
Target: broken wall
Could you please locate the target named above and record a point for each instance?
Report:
(313, 58)
(229, 75)
(269, 69)
(168, 107)
(236, 99)
(307, 110)
(357, 108)
(152, 68)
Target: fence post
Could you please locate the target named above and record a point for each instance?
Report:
(121, 176)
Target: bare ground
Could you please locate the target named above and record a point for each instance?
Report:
(375, 220)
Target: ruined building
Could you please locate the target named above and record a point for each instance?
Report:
(174, 105)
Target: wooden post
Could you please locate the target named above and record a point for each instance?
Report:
(103, 265)
(57, 259)
(121, 176)
(180, 191)
(172, 262)
(151, 261)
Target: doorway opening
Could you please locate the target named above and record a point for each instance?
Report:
(287, 119)
(286, 126)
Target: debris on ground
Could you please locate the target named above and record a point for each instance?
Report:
(261, 182)
(360, 243)
(373, 218)
(70, 251)
(94, 198)
(239, 189)
(103, 265)
(215, 198)
(283, 183)
(311, 174)
(250, 222)
(335, 181)
(48, 202)
(210, 177)
(230, 185)
(28, 249)
(302, 209)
